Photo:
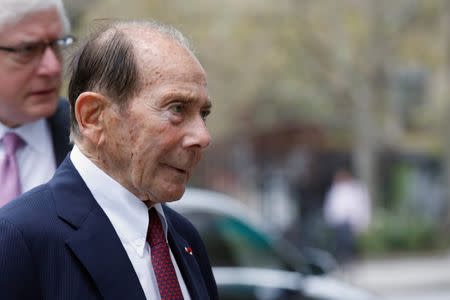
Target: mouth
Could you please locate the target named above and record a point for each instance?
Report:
(181, 171)
(43, 92)
(178, 170)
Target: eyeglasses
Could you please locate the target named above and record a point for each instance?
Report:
(27, 52)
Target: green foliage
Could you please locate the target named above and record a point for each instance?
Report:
(396, 233)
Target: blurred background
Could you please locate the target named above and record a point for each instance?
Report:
(304, 88)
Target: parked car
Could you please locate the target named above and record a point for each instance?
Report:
(252, 264)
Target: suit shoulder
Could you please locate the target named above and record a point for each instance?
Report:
(30, 207)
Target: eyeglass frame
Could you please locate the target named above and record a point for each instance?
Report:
(39, 47)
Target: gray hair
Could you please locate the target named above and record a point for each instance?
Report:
(105, 62)
(13, 11)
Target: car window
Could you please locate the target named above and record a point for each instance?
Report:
(231, 242)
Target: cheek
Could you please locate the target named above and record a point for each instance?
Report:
(13, 104)
(145, 160)
(117, 144)
(141, 152)
(15, 75)
(12, 89)
(150, 139)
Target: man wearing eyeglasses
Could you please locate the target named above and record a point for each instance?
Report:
(33, 120)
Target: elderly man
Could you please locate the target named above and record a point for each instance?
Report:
(99, 229)
(34, 135)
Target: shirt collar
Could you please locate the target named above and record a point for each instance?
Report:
(32, 133)
(127, 213)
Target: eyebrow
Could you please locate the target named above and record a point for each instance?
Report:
(30, 41)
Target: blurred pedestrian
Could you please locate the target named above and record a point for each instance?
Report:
(34, 122)
(347, 209)
(99, 228)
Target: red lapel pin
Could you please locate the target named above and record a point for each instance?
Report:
(188, 250)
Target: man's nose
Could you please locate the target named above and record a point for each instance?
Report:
(198, 135)
(50, 63)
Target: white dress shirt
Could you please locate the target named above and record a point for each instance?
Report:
(129, 217)
(36, 159)
(348, 202)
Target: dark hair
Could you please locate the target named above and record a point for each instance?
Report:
(104, 63)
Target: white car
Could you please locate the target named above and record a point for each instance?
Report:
(249, 263)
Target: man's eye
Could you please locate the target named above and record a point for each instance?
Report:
(177, 108)
(29, 49)
(25, 53)
(204, 114)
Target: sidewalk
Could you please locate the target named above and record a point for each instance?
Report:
(389, 275)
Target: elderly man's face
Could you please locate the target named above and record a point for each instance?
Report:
(155, 143)
(29, 89)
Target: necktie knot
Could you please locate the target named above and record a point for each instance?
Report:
(11, 142)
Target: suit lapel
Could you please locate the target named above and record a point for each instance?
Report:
(99, 249)
(94, 242)
(187, 264)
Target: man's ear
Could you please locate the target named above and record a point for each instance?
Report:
(90, 108)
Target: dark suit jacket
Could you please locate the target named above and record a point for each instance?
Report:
(59, 124)
(57, 243)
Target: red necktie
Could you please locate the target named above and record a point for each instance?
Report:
(168, 285)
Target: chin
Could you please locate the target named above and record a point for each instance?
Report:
(46, 113)
(173, 195)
